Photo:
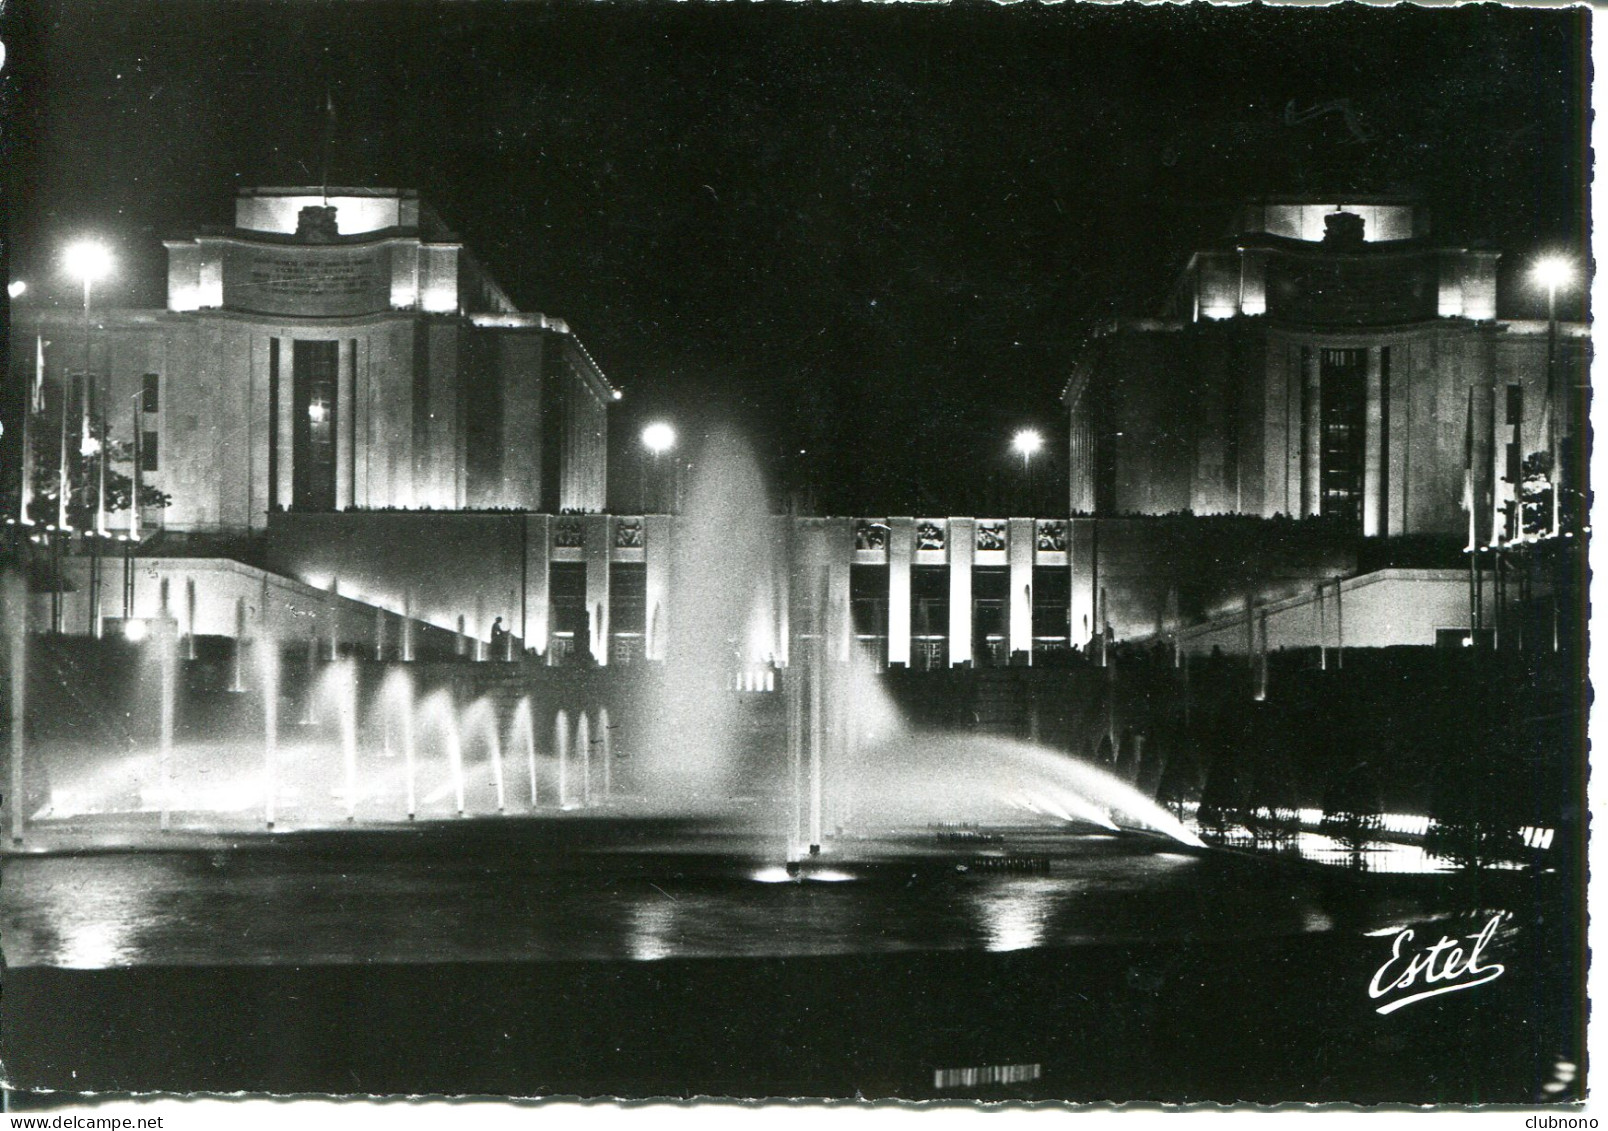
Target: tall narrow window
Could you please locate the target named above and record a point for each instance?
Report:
(314, 375)
(148, 456)
(1343, 378)
(151, 393)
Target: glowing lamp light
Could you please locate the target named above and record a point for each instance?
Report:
(316, 412)
(619, 396)
(1026, 442)
(87, 261)
(16, 287)
(1553, 272)
(134, 631)
(658, 438)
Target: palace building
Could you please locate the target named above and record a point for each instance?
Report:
(1326, 358)
(335, 349)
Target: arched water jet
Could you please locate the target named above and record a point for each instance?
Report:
(394, 708)
(917, 779)
(481, 720)
(438, 708)
(522, 737)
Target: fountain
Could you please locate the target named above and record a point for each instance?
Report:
(757, 618)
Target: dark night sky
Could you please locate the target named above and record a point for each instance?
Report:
(875, 233)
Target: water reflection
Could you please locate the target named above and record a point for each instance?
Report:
(1016, 917)
(653, 930)
(455, 898)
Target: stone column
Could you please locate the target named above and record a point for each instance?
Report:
(840, 553)
(345, 417)
(538, 603)
(1019, 546)
(901, 559)
(1373, 500)
(962, 543)
(1081, 544)
(599, 539)
(286, 458)
(1311, 435)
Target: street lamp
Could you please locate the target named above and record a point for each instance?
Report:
(1554, 273)
(16, 288)
(657, 438)
(89, 262)
(1026, 443)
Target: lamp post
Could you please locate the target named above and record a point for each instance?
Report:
(1026, 443)
(657, 438)
(1553, 273)
(90, 262)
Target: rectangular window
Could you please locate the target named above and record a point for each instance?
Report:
(151, 393)
(313, 377)
(148, 456)
(1343, 377)
(1515, 404)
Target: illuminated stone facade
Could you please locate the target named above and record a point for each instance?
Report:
(1327, 358)
(334, 353)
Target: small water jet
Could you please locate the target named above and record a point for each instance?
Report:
(561, 753)
(605, 739)
(268, 665)
(169, 664)
(346, 706)
(583, 745)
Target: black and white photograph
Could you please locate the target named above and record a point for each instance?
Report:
(966, 552)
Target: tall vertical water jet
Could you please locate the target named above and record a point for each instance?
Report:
(189, 618)
(237, 665)
(410, 774)
(407, 626)
(379, 634)
(605, 739)
(717, 619)
(583, 744)
(268, 662)
(16, 618)
(309, 688)
(561, 752)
